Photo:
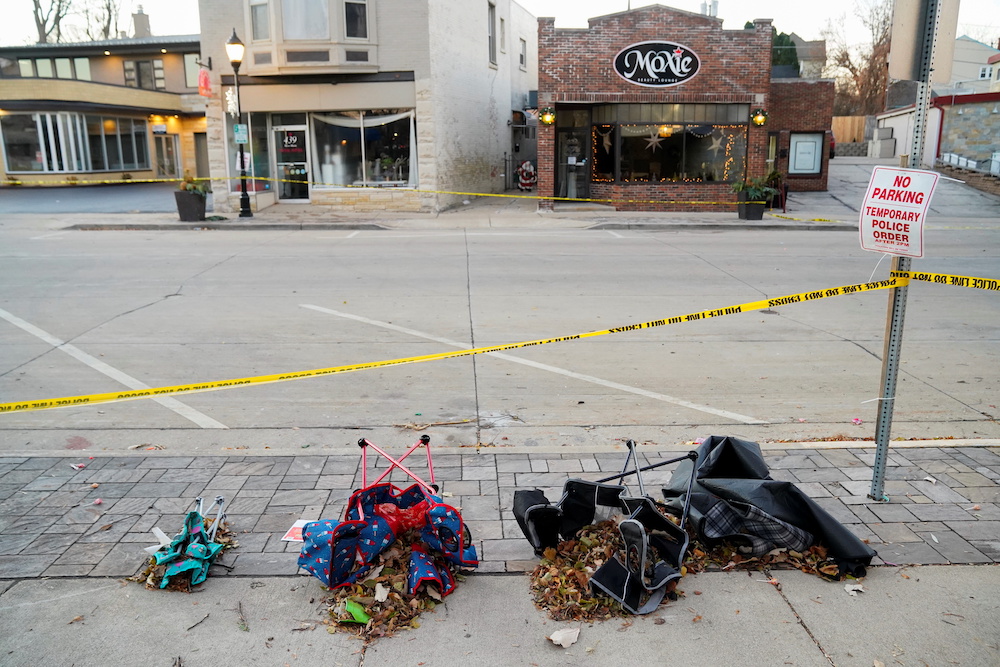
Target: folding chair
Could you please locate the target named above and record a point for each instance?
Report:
(655, 546)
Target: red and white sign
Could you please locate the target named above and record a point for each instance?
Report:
(893, 211)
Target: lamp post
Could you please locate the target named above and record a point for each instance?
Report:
(235, 50)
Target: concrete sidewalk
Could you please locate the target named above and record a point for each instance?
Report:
(62, 559)
(906, 616)
(955, 205)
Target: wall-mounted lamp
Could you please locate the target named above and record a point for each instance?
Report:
(163, 50)
(961, 112)
(996, 109)
(758, 117)
(107, 53)
(665, 131)
(547, 116)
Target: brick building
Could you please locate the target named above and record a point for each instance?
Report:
(370, 105)
(653, 111)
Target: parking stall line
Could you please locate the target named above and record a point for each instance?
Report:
(168, 402)
(656, 396)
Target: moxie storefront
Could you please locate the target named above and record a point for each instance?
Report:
(662, 109)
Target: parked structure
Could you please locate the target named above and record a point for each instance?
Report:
(653, 110)
(370, 105)
(110, 110)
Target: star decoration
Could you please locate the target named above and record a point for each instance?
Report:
(716, 144)
(653, 140)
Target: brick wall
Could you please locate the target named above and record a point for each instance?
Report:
(577, 66)
(802, 106)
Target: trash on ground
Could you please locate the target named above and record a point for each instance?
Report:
(180, 563)
(565, 637)
(397, 552)
(740, 518)
(854, 589)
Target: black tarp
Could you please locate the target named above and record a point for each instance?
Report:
(735, 471)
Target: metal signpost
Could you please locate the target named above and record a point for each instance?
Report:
(924, 16)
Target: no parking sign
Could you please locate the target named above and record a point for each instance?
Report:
(893, 211)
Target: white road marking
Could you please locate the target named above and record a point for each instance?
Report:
(169, 402)
(353, 234)
(615, 234)
(48, 236)
(656, 396)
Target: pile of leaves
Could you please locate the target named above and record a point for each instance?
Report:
(560, 584)
(380, 604)
(152, 574)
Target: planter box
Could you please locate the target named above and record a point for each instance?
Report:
(752, 211)
(748, 211)
(190, 205)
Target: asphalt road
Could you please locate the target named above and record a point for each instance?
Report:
(86, 312)
(119, 198)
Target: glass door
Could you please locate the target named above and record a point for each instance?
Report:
(292, 162)
(166, 155)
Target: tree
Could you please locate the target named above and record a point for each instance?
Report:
(861, 71)
(100, 19)
(49, 15)
(783, 51)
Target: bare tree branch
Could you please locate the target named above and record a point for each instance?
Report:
(48, 16)
(861, 71)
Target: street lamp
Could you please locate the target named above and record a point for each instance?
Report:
(235, 50)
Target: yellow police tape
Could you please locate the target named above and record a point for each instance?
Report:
(947, 279)
(408, 189)
(263, 379)
(788, 217)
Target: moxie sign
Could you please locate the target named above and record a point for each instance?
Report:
(656, 64)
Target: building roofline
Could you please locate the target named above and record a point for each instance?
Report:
(130, 44)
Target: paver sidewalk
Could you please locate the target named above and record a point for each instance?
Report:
(944, 502)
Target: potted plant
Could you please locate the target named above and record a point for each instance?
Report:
(387, 163)
(752, 194)
(190, 197)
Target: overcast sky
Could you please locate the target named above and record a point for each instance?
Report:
(180, 17)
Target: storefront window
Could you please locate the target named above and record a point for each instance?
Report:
(690, 143)
(20, 139)
(373, 148)
(67, 142)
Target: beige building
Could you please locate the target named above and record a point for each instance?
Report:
(369, 104)
(113, 110)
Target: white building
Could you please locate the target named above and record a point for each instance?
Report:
(370, 105)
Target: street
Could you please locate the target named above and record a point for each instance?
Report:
(140, 309)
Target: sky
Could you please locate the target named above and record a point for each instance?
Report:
(180, 17)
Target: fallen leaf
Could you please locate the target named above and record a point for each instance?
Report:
(381, 593)
(854, 589)
(659, 621)
(565, 637)
(696, 619)
(78, 618)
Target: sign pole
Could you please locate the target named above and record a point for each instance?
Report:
(897, 295)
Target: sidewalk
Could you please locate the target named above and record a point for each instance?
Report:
(61, 557)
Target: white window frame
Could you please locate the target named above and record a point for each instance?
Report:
(523, 55)
(491, 31)
(368, 30)
(796, 157)
(263, 27)
(986, 72)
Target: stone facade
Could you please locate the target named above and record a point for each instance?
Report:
(431, 57)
